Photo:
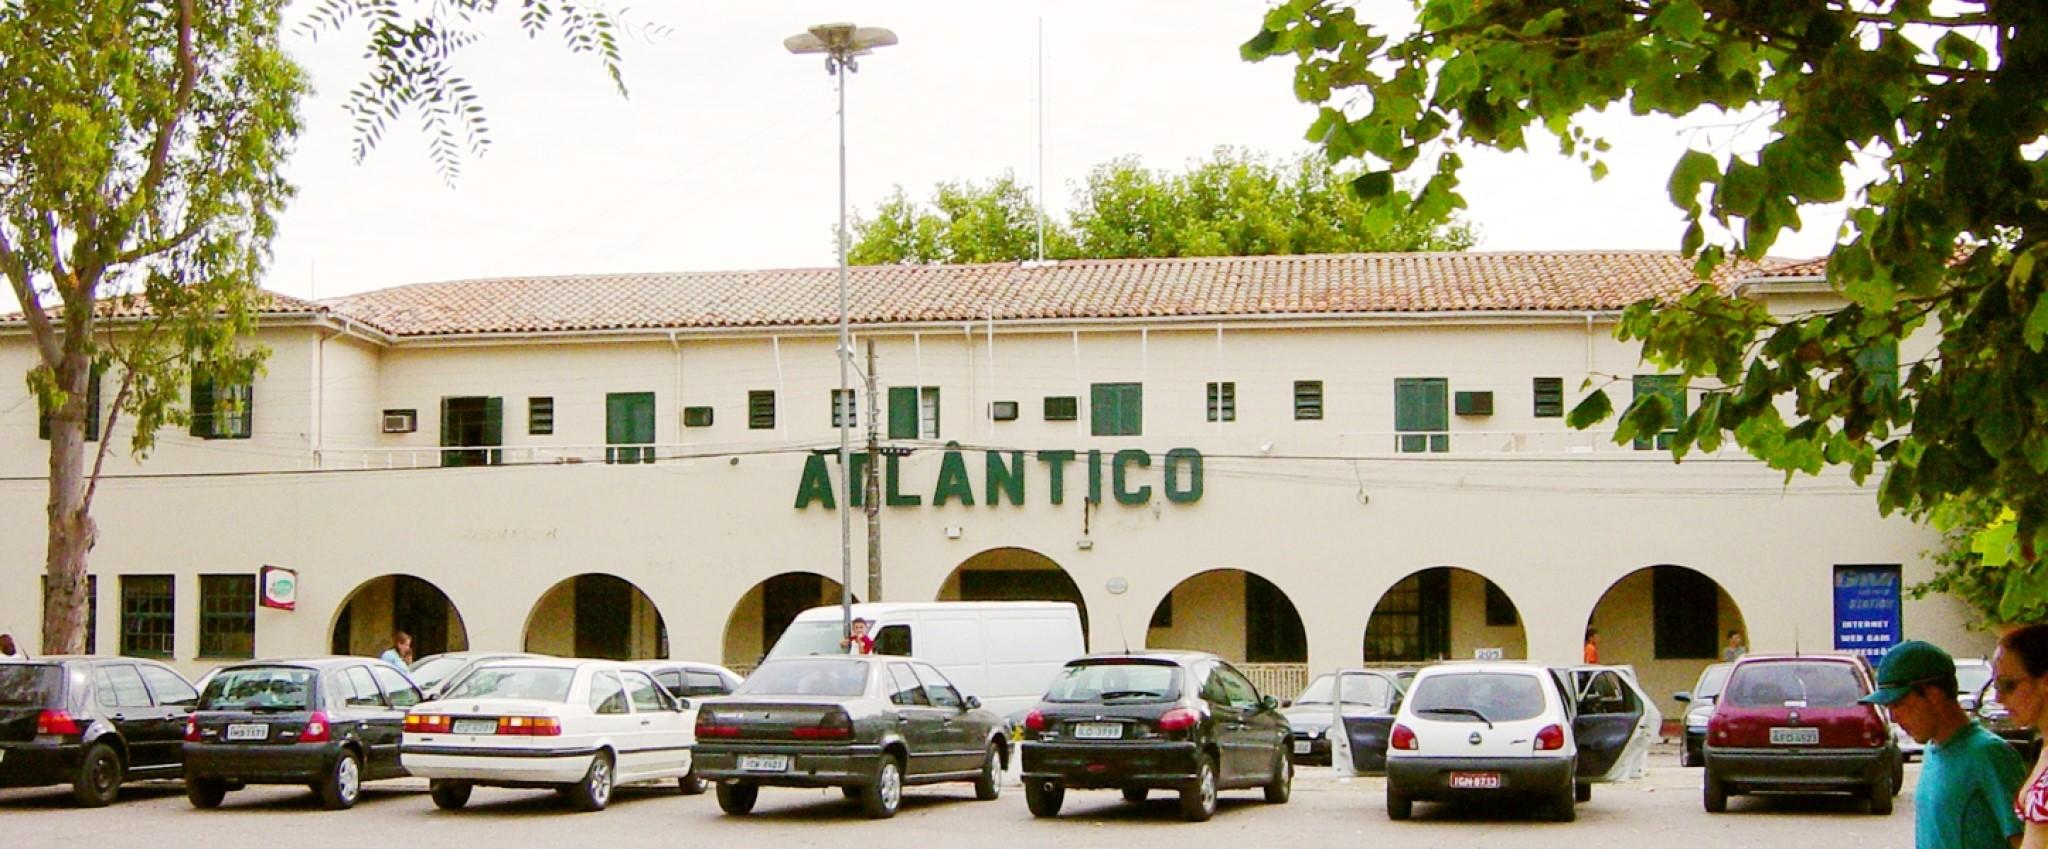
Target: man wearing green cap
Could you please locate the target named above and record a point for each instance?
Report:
(1970, 777)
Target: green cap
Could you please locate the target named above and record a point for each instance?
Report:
(1908, 665)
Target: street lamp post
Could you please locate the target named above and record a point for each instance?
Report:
(842, 44)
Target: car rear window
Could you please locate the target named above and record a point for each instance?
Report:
(807, 677)
(1797, 683)
(1366, 690)
(435, 669)
(539, 683)
(1712, 680)
(259, 688)
(30, 685)
(1493, 696)
(1123, 683)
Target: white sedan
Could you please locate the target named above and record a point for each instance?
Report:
(578, 726)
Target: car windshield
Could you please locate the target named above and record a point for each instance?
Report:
(259, 688)
(1365, 690)
(807, 677)
(1494, 696)
(1712, 680)
(1795, 684)
(1971, 678)
(436, 669)
(30, 684)
(537, 683)
(1120, 681)
(802, 639)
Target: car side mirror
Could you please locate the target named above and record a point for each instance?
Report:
(1269, 703)
(682, 705)
(973, 702)
(1681, 696)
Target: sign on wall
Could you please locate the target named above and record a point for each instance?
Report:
(1867, 618)
(280, 588)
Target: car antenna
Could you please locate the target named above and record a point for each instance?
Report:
(1120, 632)
(1795, 641)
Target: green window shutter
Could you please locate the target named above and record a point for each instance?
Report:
(1422, 407)
(847, 403)
(1116, 409)
(761, 409)
(447, 422)
(628, 421)
(494, 428)
(1133, 409)
(902, 412)
(1665, 386)
(1308, 399)
(1062, 408)
(1549, 397)
(245, 411)
(1102, 409)
(1881, 363)
(202, 406)
(540, 415)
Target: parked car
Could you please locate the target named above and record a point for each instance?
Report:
(1699, 702)
(690, 682)
(1370, 697)
(91, 722)
(1793, 723)
(1497, 730)
(868, 725)
(1155, 720)
(436, 672)
(1004, 652)
(1973, 679)
(329, 723)
(580, 727)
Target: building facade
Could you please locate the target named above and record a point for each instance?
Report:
(1295, 462)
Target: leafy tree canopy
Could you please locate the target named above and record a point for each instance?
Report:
(1234, 203)
(1947, 236)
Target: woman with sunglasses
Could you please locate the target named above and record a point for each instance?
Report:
(2020, 671)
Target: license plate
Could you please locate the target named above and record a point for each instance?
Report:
(1098, 731)
(1795, 736)
(476, 726)
(1475, 780)
(1301, 747)
(249, 731)
(764, 763)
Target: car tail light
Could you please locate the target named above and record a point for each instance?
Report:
(1034, 721)
(57, 723)
(1403, 738)
(708, 725)
(832, 726)
(428, 723)
(191, 729)
(1179, 719)
(529, 726)
(1550, 739)
(1875, 730)
(316, 729)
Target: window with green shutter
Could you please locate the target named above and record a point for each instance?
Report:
(227, 615)
(629, 427)
(1668, 388)
(1223, 401)
(1116, 409)
(1308, 399)
(220, 410)
(845, 404)
(1062, 408)
(1880, 362)
(472, 428)
(92, 412)
(1549, 397)
(913, 412)
(540, 416)
(1422, 415)
(761, 409)
(148, 615)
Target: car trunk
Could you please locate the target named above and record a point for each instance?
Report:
(1796, 705)
(26, 690)
(257, 706)
(1479, 714)
(792, 718)
(1087, 721)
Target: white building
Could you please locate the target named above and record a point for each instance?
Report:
(1246, 455)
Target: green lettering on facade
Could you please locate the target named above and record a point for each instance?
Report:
(1005, 480)
(1056, 472)
(894, 498)
(1095, 477)
(1124, 460)
(953, 481)
(816, 484)
(1193, 460)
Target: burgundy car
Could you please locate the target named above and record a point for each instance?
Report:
(1793, 723)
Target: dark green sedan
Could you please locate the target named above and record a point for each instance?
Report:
(867, 725)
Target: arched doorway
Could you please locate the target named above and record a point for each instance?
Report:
(1013, 574)
(1444, 613)
(767, 609)
(1669, 622)
(387, 603)
(596, 615)
(1240, 617)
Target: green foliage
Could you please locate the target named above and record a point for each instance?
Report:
(1232, 204)
(1948, 236)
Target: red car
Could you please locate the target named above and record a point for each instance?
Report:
(1793, 723)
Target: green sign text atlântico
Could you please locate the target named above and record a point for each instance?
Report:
(1004, 476)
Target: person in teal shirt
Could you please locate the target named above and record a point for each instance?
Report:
(1970, 778)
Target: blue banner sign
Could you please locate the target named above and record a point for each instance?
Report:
(1867, 609)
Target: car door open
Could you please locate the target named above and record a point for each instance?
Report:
(1615, 724)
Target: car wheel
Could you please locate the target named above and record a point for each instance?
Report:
(736, 798)
(344, 782)
(595, 790)
(1582, 792)
(880, 798)
(1564, 806)
(1044, 798)
(989, 784)
(1685, 757)
(1898, 775)
(690, 784)
(1281, 788)
(1880, 796)
(1136, 795)
(1198, 800)
(449, 795)
(1716, 795)
(205, 793)
(1399, 806)
(99, 776)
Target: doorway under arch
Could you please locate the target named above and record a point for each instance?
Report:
(596, 615)
(1444, 613)
(364, 623)
(1014, 574)
(1669, 622)
(765, 610)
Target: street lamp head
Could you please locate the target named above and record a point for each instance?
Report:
(840, 43)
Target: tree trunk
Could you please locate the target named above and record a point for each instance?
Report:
(71, 527)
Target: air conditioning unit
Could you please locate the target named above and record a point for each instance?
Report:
(401, 421)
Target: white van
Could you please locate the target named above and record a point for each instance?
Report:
(1004, 652)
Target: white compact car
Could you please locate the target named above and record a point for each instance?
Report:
(578, 726)
(1484, 731)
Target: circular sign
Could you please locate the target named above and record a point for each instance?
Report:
(1117, 586)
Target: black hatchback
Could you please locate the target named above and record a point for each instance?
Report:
(1182, 721)
(90, 722)
(328, 723)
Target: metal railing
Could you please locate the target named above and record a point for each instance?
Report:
(1279, 680)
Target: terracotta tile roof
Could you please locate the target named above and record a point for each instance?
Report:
(1125, 288)
(1815, 268)
(131, 306)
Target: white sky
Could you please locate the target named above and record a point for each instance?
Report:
(723, 156)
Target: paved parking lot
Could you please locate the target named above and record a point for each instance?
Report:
(1661, 811)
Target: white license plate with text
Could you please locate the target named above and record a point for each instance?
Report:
(1302, 747)
(1475, 780)
(1795, 736)
(764, 763)
(1098, 731)
(249, 731)
(476, 726)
